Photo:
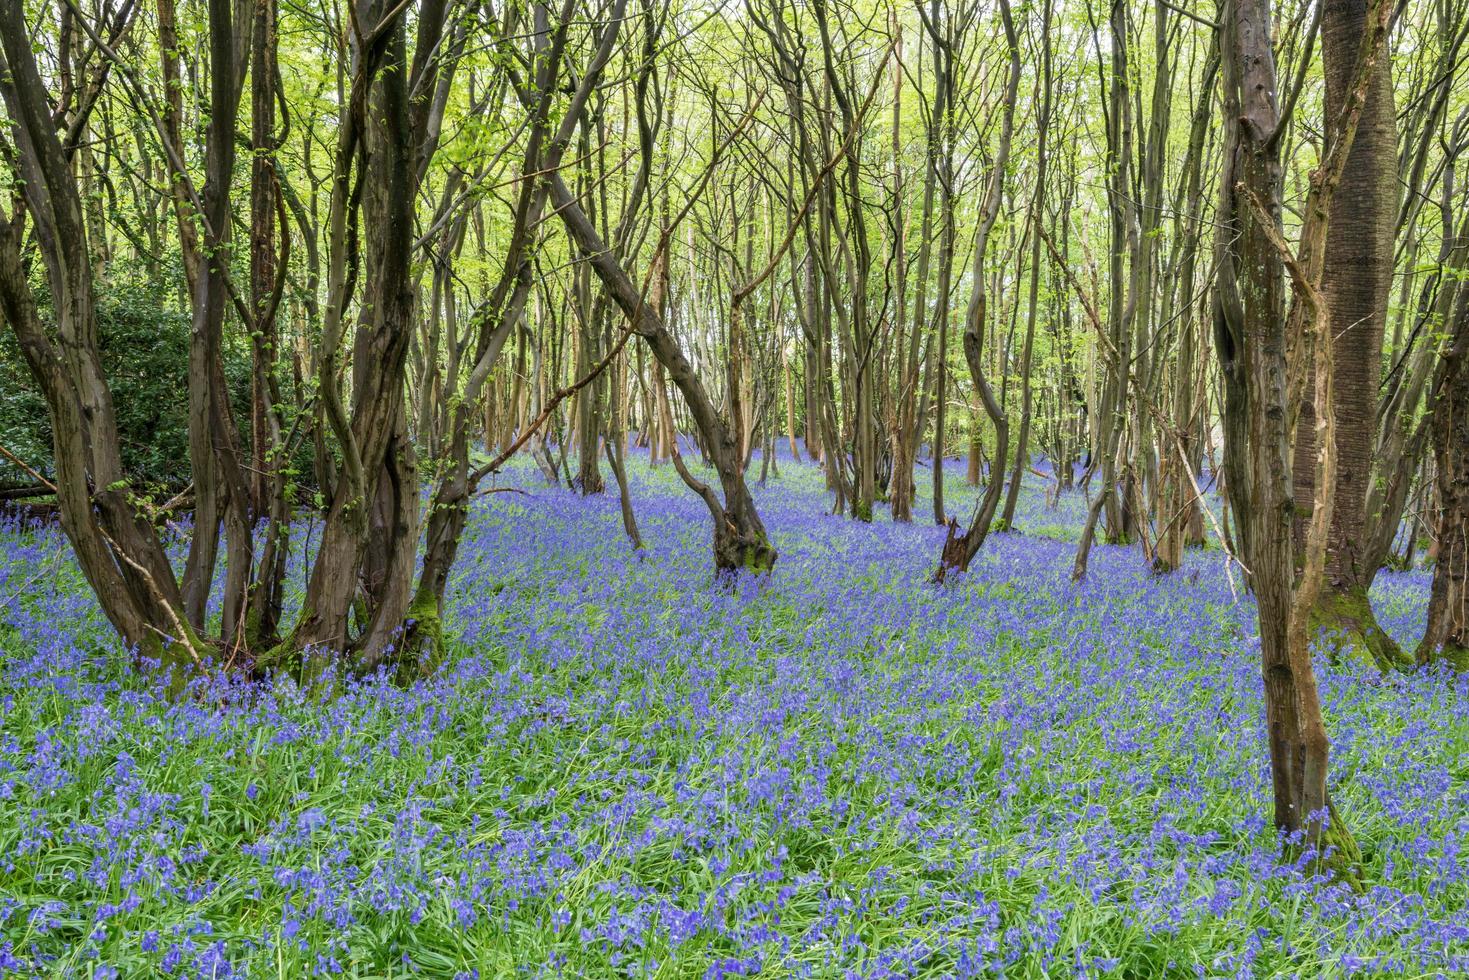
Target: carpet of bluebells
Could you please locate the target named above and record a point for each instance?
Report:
(625, 770)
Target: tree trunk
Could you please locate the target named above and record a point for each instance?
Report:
(1043, 121)
(1262, 359)
(740, 541)
(268, 476)
(1179, 512)
(221, 492)
(959, 550)
(1357, 285)
(364, 565)
(115, 545)
(1446, 637)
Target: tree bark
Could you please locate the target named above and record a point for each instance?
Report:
(268, 471)
(959, 549)
(740, 541)
(1357, 284)
(1043, 125)
(1446, 637)
(116, 546)
(1262, 356)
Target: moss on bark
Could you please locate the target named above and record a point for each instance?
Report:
(742, 553)
(422, 649)
(1339, 857)
(177, 659)
(1455, 656)
(1346, 619)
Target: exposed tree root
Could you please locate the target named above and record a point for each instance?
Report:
(1351, 628)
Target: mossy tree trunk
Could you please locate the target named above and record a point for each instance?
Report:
(1357, 283)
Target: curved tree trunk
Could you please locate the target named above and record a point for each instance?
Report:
(116, 546)
(740, 541)
(959, 549)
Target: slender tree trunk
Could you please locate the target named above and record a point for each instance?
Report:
(1446, 637)
(1022, 460)
(941, 34)
(959, 549)
(740, 541)
(269, 483)
(221, 493)
(1180, 520)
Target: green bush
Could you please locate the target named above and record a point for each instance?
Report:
(145, 354)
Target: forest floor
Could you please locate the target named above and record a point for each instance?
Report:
(627, 771)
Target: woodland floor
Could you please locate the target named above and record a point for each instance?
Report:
(625, 771)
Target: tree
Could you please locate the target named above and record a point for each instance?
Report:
(1263, 356)
(959, 549)
(1360, 254)
(114, 542)
(492, 324)
(1446, 635)
(385, 141)
(371, 529)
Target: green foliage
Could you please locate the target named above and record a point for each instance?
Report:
(145, 355)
